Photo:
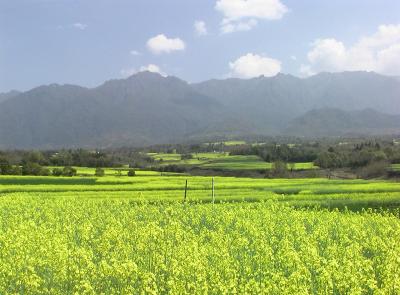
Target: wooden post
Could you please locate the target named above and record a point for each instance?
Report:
(213, 194)
(186, 184)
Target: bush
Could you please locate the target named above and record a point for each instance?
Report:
(172, 168)
(31, 168)
(186, 156)
(374, 170)
(57, 172)
(45, 171)
(99, 172)
(69, 171)
(131, 172)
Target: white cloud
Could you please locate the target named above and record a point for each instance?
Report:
(161, 44)
(230, 27)
(200, 28)
(293, 57)
(389, 60)
(378, 52)
(134, 52)
(79, 26)
(149, 68)
(241, 15)
(253, 65)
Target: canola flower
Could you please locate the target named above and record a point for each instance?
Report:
(110, 246)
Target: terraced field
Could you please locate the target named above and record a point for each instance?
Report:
(222, 161)
(355, 194)
(396, 167)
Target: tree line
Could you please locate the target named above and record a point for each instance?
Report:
(370, 157)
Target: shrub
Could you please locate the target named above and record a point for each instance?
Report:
(57, 172)
(131, 172)
(99, 172)
(69, 171)
(45, 171)
(374, 170)
(172, 168)
(186, 156)
(31, 168)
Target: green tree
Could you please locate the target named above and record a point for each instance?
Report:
(16, 170)
(34, 157)
(5, 166)
(279, 169)
(328, 160)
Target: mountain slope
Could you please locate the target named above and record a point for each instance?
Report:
(7, 95)
(147, 108)
(273, 102)
(143, 109)
(335, 122)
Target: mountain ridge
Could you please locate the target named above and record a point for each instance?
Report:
(147, 108)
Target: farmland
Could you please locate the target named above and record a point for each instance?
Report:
(119, 234)
(222, 161)
(150, 186)
(396, 167)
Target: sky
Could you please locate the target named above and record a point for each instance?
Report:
(87, 42)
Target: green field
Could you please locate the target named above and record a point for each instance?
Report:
(136, 235)
(396, 167)
(355, 194)
(222, 161)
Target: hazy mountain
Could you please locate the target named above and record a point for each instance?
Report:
(143, 109)
(147, 108)
(335, 122)
(273, 102)
(7, 95)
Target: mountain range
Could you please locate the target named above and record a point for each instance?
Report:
(148, 108)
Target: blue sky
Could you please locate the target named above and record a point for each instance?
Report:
(87, 42)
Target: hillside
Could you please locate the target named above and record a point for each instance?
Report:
(335, 122)
(148, 108)
(143, 109)
(273, 102)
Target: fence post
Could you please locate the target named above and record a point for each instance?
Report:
(186, 184)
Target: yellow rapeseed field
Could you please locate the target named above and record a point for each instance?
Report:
(114, 246)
